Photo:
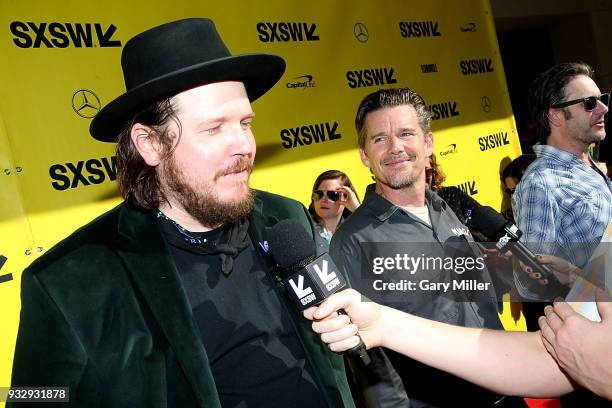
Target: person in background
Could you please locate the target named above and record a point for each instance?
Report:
(395, 141)
(563, 203)
(333, 199)
(462, 205)
(460, 202)
(512, 174)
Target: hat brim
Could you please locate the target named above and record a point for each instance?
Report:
(258, 72)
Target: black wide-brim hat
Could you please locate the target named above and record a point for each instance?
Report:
(174, 57)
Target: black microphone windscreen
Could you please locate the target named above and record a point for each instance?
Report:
(488, 221)
(290, 244)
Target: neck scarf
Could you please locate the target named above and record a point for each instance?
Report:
(228, 243)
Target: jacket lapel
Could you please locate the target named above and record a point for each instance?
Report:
(148, 260)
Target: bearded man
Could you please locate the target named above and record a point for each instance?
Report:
(170, 298)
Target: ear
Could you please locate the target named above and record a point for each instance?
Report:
(146, 143)
(364, 158)
(556, 117)
(429, 144)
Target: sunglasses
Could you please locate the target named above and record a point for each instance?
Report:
(332, 195)
(590, 102)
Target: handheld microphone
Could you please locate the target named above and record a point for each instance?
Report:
(495, 227)
(308, 280)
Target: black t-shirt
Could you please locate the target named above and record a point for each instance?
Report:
(255, 355)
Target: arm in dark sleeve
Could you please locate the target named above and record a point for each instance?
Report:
(47, 353)
(378, 384)
(347, 257)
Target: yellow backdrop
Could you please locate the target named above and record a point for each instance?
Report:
(60, 63)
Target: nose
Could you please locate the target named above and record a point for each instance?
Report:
(603, 108)
(395, 144)
(241, 141)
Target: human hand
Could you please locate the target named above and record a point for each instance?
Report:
(580, 346)
(348, 198)
(340, 331)
(566, 272)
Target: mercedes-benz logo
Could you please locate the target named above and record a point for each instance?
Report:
(85, 103)
(486, 104)
(361, 32)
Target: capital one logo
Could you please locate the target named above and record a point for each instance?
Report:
(85, 103)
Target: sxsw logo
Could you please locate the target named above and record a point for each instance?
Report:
(309, 134)
(411, 29)
(63, 35)
(317, 275)
(8, 276)
(469, 187)
(287, 31)
(493, 141)
(301, 82)
(443, 110)
(305, 294)
(328, 278)
(92, 171)
(476, 66)
(370, 77)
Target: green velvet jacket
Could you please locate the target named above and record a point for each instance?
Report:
(104, 310)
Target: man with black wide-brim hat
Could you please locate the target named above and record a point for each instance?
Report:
(169, 299)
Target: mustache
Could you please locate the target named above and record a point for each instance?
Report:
(242, 163)
(401, 156)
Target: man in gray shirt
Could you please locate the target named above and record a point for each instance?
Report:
(399, 214)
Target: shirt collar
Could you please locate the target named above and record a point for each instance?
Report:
(384, 209)
(560, 157)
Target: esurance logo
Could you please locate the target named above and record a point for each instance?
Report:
(370, 77)
(493, 141)
(287, 32)
(301, 82)
(429, 68)
(308, 134)
(476, 66)
(416, 29)
(92, 171)
(63, 35)
(443, 110)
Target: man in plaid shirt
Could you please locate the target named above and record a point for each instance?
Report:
(563, 203)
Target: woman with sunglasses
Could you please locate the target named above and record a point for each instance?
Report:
(333, 199)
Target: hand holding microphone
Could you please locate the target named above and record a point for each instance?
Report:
(308, 280)
(506, 235)
(366, 318)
